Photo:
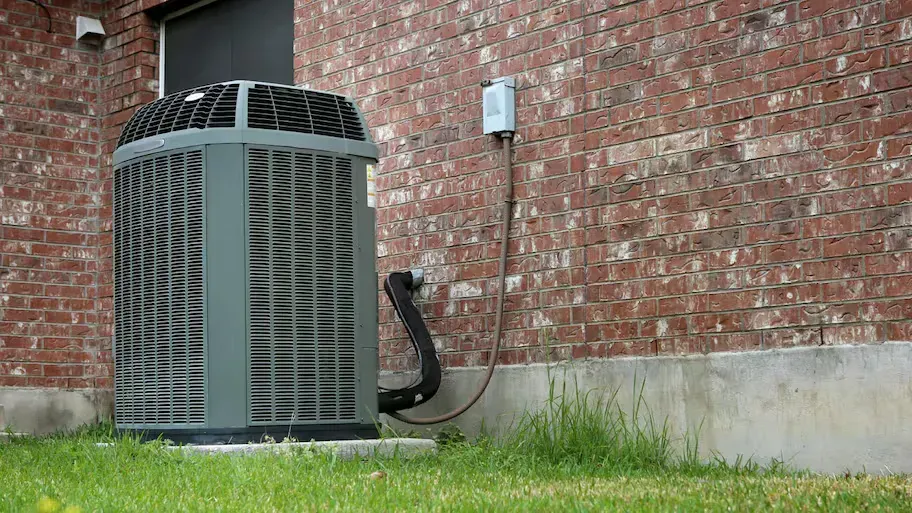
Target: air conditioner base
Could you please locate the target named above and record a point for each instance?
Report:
(346, 449)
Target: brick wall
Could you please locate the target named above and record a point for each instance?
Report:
(129, 80)
(49, 200)
(692, 176)
(61, 107)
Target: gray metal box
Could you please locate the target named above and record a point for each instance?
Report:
(245, 295)
(499, 106)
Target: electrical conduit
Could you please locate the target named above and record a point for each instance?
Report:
(507, 139)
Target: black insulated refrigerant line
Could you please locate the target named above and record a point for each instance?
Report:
(397, 287)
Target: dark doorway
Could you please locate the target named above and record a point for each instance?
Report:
(230, 40)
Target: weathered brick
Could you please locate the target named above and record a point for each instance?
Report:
(850, 20)
(738, 89)
(858, 334)
(799, 76)
(894, 78)
(897, 9)
(835, 45)
(856, 63)
(50, 148)
(698, 150)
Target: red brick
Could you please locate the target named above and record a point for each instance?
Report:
(716, 323)
(674, 326)
(853, 199)
(858, 334)
(682, 101)
(738, 89)
(900, 54)
(898, 285)
(885, 34)
(784, 338)
(856, 109)
(792, 251)
(736, 342)
(779, 37)
(631, 151)
(842, 89)
(719, 73)
(774, 59)
(850, 20)
(797, 76)
(893, 78)
(726, 113)
(886, 126)
(741, 300)
(794, 121)
(815, 8)
(773, 275)
(900, 147)
(853, 245)
(681, 20)
(897, 9)
(856, 63)
(634, 309)
(825, 226)
(792, 295)
(715, 32)
(899, 332)
(782, 101)
(740, 131)
(747, 152)
(893, 263)
(773, 319)
(680, 346)
(854, 154)
(834, 136)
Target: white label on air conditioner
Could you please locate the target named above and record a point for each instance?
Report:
(371, 187)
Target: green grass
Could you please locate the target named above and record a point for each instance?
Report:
(579, 453)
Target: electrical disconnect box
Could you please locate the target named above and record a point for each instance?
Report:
(499, 105)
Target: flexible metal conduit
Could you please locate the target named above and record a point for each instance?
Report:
(507, 139)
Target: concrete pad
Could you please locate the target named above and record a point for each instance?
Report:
(6, 437)
(345, 449)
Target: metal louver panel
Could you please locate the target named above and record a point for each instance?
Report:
(299, 110)
(301, 287)
(159, 335)
(216, 109)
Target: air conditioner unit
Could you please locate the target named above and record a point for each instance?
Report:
(245, 294)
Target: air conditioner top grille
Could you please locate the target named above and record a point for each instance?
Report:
(299, 110)
(181, 111)
(267, 106)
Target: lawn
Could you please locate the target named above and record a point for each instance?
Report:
(133, 477)
(575, 454)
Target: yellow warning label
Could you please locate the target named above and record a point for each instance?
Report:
(371, 187)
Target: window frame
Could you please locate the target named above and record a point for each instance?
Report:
(161, 39)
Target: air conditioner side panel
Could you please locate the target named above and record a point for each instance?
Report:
(307, 272)
(366, 282)
(160, 329)
(226, 288)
